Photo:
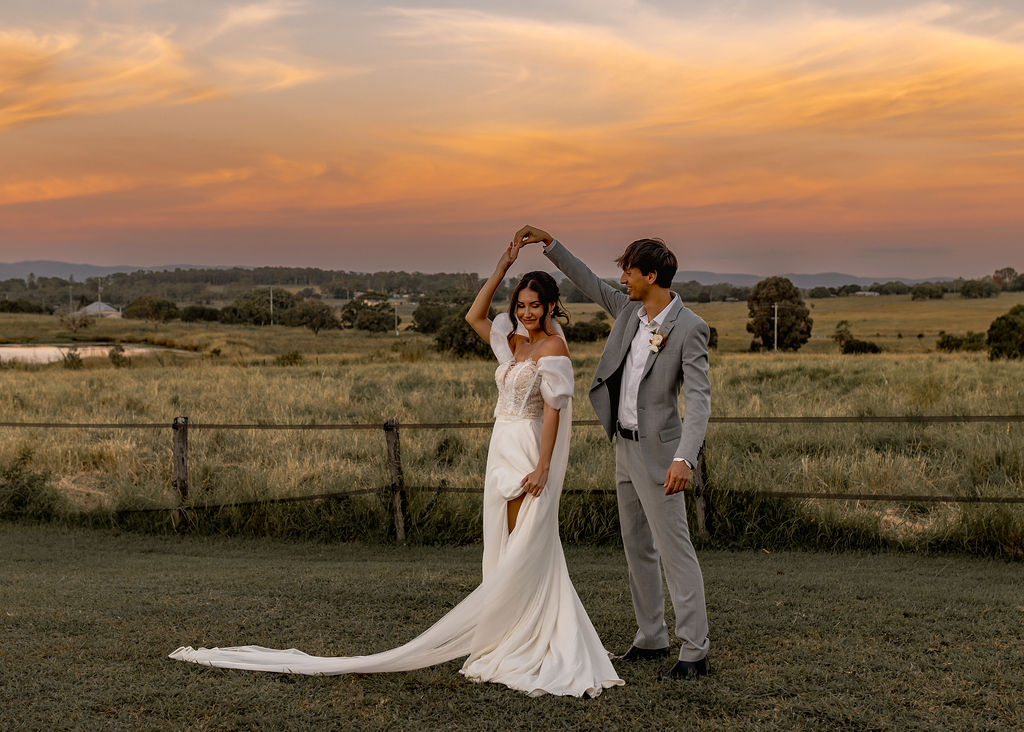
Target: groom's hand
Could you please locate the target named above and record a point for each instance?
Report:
(531, 235)
(677, 477)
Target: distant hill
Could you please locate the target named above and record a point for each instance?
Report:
(81, 272)
(48, 268)
(804, 281)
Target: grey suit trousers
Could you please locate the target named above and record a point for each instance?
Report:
(653, 524)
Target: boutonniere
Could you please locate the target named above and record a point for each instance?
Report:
(657, 341)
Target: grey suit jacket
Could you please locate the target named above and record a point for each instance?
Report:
(682, 363)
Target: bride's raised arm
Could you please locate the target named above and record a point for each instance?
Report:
(477, 315)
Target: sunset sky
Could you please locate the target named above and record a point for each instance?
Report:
(874, 137)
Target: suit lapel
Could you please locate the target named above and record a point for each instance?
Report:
(665, 328)
(628, 333)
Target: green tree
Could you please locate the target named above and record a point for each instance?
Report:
(894, 287)
(927, 291)
(842, 333)
(951, 342)
(979, 288)
(361, 316)
(147, 307)
(1006, 335)
(587, 331)
(855, 345)
(1004, 277)
(429, 316)
(254, 306)
(313, 314)
(794, 319)
(433, 310)
(195, 313)
(457, 336)
(819, 292)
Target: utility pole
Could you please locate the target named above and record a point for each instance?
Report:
(395, 303)
(775, 342)
(271, 304)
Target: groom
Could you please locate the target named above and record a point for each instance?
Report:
(655, 347)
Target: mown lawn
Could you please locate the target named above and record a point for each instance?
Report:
(799, 640)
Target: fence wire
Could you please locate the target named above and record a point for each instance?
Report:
(912, 419)
(342, 495)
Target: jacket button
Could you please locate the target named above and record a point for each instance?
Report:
(599, 380)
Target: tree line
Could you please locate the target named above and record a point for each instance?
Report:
(779, 317)
(222, 286)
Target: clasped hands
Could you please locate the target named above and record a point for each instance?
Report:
(526, 235)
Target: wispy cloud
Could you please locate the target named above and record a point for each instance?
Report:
(60, 187)
(267, 74)
(45, 76)
(241, 17)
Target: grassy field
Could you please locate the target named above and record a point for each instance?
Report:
(362, 378)
(892, 321)
(798, 640)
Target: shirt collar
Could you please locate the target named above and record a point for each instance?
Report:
(660, 317)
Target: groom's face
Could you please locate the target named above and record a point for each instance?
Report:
(637, 284)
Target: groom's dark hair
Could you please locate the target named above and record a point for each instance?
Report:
(650, 255)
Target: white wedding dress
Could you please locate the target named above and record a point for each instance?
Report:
(524, 626)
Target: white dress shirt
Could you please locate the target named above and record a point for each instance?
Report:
(636, 359)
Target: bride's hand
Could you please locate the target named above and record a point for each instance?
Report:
(510, 255)
(534, 482)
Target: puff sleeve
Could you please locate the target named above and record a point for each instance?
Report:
(556, 380)
(501, 328)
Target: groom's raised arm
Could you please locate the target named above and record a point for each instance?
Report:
(589, 283)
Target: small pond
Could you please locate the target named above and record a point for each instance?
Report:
(49, 354)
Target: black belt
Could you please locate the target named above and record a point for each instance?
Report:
(633, 435)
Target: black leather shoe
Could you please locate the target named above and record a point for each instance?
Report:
(643, 654)
(687, 670)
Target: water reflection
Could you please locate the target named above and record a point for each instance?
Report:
(49, 354)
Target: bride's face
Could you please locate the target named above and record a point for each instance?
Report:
(529, 310)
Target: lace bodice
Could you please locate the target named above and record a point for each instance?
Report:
(524, 386)
(519, 390)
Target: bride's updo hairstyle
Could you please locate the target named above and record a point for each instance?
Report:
(547, 292)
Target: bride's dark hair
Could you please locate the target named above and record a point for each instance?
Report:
(547, 292)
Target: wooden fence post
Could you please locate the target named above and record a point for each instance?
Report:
(399, 503)
(180, 429)
(702, 494)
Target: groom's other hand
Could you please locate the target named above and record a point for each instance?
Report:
(677, 477)
(531, 235)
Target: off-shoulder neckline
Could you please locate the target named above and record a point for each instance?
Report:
(535, 360)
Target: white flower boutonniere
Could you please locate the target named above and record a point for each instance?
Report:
(657, 342)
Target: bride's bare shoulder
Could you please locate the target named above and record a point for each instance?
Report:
(552, 346)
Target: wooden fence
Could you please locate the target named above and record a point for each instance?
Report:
(701, 485)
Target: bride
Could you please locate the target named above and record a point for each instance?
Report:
(524, 626)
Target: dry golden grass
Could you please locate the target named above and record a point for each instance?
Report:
(350, 377)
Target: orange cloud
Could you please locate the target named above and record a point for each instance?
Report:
(50, 189)
(51, 76)
(888, 123)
